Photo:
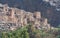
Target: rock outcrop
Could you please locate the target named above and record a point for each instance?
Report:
(13, 18)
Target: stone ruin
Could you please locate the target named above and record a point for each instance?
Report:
(13, 18)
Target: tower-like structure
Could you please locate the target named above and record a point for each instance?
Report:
(21, 17)
(45, 21)
(11, 12)
(37, 15)
(11, 17)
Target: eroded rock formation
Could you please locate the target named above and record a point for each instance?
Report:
(12, 18)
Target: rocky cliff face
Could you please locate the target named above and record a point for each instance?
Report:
(37, 5)
(13, 18)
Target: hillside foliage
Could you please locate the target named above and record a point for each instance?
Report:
(31, 32)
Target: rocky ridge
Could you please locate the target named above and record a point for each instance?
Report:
(12, 18)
